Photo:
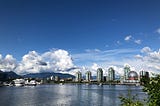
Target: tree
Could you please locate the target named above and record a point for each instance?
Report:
(130, 100)
(152, 87)
(153, 90)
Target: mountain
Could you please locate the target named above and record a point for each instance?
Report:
(47, 74)
(12, 74)
(8, 75)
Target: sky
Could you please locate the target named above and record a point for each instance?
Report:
(58, 35)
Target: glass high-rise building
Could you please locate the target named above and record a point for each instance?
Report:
(99, 75)
(78, 76)
(126, 71)
(144, 77)
(111, 74)
(88, 76)
(144, 74)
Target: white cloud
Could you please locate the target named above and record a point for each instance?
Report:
(103, 56)
(146, 50)
(94, 66)
(158, 30)
(132, 39)
(119, 69)
(93, 50)
(30, 63)
(61, 61)
(33, 62)
(0, 57)
(127, 38)
(8, 63)
(104, 59)
(60, 58)
(149, 59)
(139, 57)
(138, 41)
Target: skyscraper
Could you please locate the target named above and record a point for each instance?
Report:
(144, 74)
(111, 74)
(144, 77)
(88, 76)
(78, 76)
(99, 75)
(126, 71)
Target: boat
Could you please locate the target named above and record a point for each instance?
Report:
(100, 84)
(61, 83)
(137, 84)
(30, 83)
(7, 84)
(87, 83)
(19, 82)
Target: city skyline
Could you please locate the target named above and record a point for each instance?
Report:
(39, 36)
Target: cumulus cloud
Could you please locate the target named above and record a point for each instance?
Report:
(83, 69)
(146, 50)
(138, 41)
(59, 58)
(94, 66)
(138, 56)
(8, 63)
(61, 61)
(127, 38)
(33, 62)
(30, 63)
(150, 59)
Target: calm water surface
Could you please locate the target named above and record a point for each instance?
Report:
(66, 95)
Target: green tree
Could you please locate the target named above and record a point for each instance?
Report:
(153, 90)
(152, 87)
(144, 80)
(130, 100)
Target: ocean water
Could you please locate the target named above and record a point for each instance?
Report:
(67, 95)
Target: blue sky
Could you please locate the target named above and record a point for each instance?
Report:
(81, 27)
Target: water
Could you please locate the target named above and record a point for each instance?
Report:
(66, 95)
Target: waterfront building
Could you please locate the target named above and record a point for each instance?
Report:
(121, 79)
(78, 76)
(52, 78)
(57, 78)
(88, 76)
(105, 78)
(111, 74)
(126, 71)
(132, 75)
(144, 77)
(132, 78)
(144, 74)
(19, 82)
(30, 82)
(99, 75)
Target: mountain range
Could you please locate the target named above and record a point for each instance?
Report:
(4, 76)
(8, 75)
(47, 74)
